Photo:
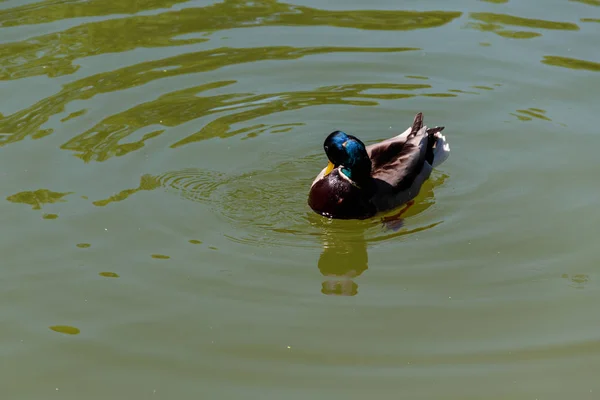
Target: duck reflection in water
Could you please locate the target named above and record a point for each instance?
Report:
(345, 257)
(342, 260)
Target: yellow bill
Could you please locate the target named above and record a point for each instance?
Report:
(329, 168)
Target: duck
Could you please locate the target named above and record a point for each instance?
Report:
(361, 181)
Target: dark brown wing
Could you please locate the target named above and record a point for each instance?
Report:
(384, 152)
(399, 170)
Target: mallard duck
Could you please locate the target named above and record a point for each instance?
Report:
(361, 181)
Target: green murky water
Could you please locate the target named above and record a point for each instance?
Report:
(156, 157)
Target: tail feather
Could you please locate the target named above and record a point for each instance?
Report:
(438, 149)
(434, 130)
(417, 125)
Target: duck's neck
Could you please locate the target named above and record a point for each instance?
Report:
(360, 175)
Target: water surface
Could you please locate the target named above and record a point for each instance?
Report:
(156, 157)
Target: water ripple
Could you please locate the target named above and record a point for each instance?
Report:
(38, 198)
(49, 11)
(588, 2)
(149, 119)
(268, 207)
(571, 63)
(27, 122)
(53, 54)
(492, 22)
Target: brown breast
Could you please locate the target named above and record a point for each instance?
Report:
(335, 197)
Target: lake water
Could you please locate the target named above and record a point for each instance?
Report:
(156, 157)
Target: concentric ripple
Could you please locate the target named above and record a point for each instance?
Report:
(268, 207)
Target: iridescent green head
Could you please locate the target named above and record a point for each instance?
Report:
(350, 153)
